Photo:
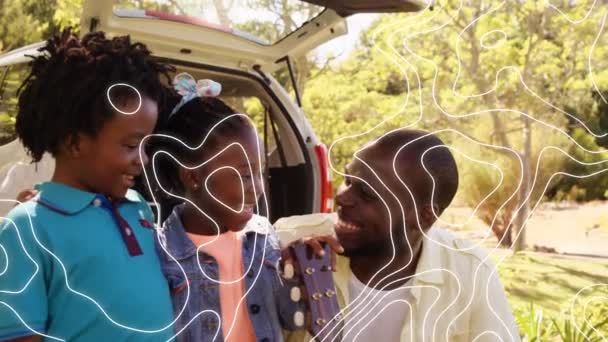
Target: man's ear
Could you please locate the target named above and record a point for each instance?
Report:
(428, 215)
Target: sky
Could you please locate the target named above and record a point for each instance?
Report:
(341, 47)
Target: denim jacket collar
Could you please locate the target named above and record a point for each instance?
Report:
(180, 246)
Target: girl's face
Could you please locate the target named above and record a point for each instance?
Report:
(228, 186)
(109, 162)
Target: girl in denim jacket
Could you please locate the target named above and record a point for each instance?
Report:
(220, 258)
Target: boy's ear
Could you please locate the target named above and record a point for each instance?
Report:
(75, 146)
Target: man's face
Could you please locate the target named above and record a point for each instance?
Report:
(367, 217)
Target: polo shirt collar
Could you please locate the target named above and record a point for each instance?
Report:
(69, 200)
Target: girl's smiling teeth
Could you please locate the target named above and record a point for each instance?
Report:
(129, 180)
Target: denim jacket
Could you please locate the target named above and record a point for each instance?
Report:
(269, 306)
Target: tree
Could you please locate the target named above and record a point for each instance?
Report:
(287, 17)
(497, 72)
(24, 22)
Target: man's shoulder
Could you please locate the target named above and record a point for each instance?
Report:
(456, 247)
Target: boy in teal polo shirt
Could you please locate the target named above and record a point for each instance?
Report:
(77, 263)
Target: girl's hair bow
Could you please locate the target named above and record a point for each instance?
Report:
(189, 88)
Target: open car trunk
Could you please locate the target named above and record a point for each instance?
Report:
(213, 34)
(350, 7)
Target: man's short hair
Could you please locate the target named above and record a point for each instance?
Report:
(439, 162)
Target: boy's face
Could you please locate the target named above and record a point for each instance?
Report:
(366, 218)
(227, 187)
(110, 161)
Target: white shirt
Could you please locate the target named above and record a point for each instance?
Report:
(386, 310)
(456, 295)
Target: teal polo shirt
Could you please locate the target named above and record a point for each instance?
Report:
(76, 267)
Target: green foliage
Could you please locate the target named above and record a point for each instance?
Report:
(551, 282)
(24, 22)
(543, 290)
(587, 329)
(584, 187)
(443, 67)
(13, 76)
(533, 326)
(67, 13)
(408, 66)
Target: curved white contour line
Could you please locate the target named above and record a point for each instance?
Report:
(358, 301)
(116, 108)
(215, 223)
(516, 70)
(586, 321)
(383, 121)
(572, 319)
(515, 192)
(439, 219)
(396, 301)
(24, 250)
(593, 299)
(27, 326)
(391, 236)
(387, 119)
(520, 113)
(575, 22)
(201, 211)
(6, 258)
(495, 45)
(494, 270)
(433, 93)
(67, 283)
(597, 37)
(331, 165)
(217, 331)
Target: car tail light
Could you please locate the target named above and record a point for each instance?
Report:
(327, 202)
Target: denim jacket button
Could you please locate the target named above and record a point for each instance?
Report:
(255, 308)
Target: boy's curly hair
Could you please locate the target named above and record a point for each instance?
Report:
(65, 93)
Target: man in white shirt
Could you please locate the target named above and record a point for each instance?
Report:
(400, 278)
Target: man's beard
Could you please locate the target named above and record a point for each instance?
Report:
(369, 249)
(379, 248)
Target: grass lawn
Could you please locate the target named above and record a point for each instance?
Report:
(552, 282)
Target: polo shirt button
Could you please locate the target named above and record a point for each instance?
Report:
(250, 274)
(97, 202)
(255, 308)
(265, 339)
